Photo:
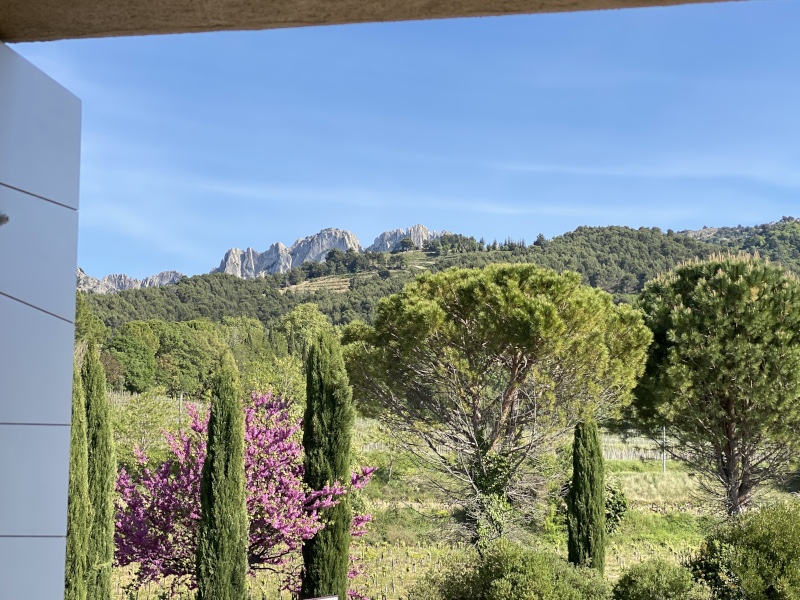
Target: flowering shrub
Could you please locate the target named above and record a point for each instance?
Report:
(158, 508)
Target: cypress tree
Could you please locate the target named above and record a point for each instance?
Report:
(79, 508)
(222, 539)
(586, 520)
(327, 437)
(101, 469)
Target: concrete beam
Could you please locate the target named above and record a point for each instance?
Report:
(43, 20)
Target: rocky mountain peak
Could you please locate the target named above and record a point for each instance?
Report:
(250, 263)
(118, 282)
(389, 240)
(316, 247)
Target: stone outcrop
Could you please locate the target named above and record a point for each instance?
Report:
(316, 247)
(389, 240)
(119, 282)
(250, 263)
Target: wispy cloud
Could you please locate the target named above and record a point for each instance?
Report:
(764, 172)
(416, 199)
(141, 228)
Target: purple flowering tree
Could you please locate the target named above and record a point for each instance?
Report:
(158, 508)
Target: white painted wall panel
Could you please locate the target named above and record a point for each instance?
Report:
(39, 157)
(36, 370)
(33, 569)
(39, 246)
(40, 125)
(34, 471)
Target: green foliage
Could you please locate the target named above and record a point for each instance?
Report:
(405, 245)
(616, 505)
(659, 580)
(713, 566)
(177, 356)
(302, 326)
(756, 557)
(327, 439)
(137, 358)
(586, 504)
(491, 366)
(139, 421)
(88, 326)
(101, 477)
(779, 242)
(452, 243)
(222, 539)
(338, 262)
(281, 375)
(508, 571)
(79, 506)
(219, 295)
(723, 372)
(616, 259)
(493, 517)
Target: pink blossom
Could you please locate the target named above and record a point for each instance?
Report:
(158, 509)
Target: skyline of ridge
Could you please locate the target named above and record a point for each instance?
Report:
(170, 271)
(675, 117)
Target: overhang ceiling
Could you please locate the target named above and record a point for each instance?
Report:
(43, 20)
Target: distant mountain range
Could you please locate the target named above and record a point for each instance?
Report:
(250, 263)
(779, 241)
(119, 282)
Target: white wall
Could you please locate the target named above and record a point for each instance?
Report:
(40, 125)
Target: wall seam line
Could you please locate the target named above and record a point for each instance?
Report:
(12, 424)
(21, 191)
(47, 312)
(21, 536)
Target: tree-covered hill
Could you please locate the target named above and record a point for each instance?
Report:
(218, 295)
(779, 241)
(616, 259)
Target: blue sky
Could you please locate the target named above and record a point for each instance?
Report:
(673, 117)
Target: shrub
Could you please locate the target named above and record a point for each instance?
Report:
(713, 565)
(756, 557)
(616, 505)
(509, 571)
(659, 580)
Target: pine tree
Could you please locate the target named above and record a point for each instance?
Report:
(101, 470)
(327, 437)
(723, 371)
(79, 508)
(222, 539)
(586, 521)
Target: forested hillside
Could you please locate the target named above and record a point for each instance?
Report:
(779, 242)
(616, 259)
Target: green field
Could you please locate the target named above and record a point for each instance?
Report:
(668, 518)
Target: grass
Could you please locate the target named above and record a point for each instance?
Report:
(643, 535)
(390, 571)
(666, 519)
(647, 486)
(332, 283)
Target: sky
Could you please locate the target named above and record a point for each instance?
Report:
(678, 117)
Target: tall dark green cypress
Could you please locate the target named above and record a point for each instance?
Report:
(222, 539)
(79, 507)
(586, 520)
(101, 477)
(327, 438)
